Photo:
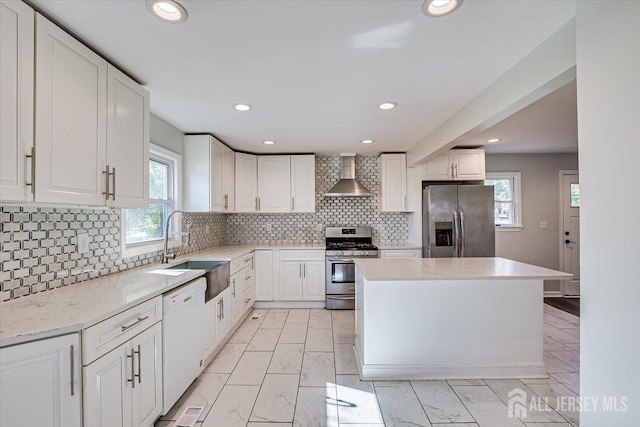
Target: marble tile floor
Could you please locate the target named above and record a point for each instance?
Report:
(296, 368)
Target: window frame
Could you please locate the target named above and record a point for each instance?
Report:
(162, 155)
(517, 199)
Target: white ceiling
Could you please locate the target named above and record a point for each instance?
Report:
(314, 71)
(549, 125)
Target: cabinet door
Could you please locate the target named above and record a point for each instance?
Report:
(228, 180)
(146, 396)
(210, 322)
(197, 176)
(264, 275)
(16, 102)
(246, 182)
(303, 183)
(224, 316)
(108, 383)
(127, 141)
(235, 297)
(313, 285)
(40, 383)
(469, 165)
(439, 168)
(70, 124)
(394, 182)
(217, 203)
(274, 184)
(291, 281)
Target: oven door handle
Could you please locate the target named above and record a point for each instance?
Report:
(339, 260)
(341, 298)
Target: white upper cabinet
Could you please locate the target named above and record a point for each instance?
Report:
(208, 176)
(246, 183)
(71, 119)
(394, 183)
(127, 141)
(16, 102)
(274, 184)
(41, 383)
(303, 183)
(457, 165)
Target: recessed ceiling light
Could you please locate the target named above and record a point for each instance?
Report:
(242, 107)
(387, 106)
(167, 10)
(493, 140)
(440, 7)
(367, 141)
(269, 142)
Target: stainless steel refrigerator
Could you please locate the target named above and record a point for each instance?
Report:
(458, 221)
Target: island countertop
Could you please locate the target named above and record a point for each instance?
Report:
(417, 269)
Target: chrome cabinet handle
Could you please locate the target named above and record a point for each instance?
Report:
(300, 270)
(256, 204)
(339, 260)
(293, 203)
(226, 201)
(304, 270)
(340, 298)
(234, 287)
(222, 308)
(452, 171)
(455, 233)
(139, 374)
(259, 203)
(32, 156)
(113, 189)
(140, 319)
(72, 362)
(405, 202)
(106, 174)
(456, 169)
(247, 277)
(461, 233)
(133, 372)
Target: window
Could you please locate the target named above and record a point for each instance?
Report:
(143, 228)
(506, 196)
(575, 195)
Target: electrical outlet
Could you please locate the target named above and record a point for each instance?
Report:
(207, 229)
(319, 227)
(269, 227)
(83, 242)
(544, 224)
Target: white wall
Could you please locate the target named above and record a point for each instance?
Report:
(608, 64)
(540, 200)
(166, 135)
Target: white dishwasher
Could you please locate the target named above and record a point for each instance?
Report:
(182, 339)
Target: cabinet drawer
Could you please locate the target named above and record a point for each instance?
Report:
(248, 298)
(103, 337)
(248, 277)
(239, 263)
(302, 255)
(400, 253)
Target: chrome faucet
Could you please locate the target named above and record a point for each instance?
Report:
(188, 222)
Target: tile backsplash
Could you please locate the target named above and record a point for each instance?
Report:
(38, 245)
(330, 211)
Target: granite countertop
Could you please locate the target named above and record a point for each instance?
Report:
(75, 307)
(415, 269)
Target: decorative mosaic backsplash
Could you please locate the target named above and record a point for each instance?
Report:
(330, 211)
(39, 246)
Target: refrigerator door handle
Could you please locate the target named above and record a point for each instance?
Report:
(461, 233)
(455, 233)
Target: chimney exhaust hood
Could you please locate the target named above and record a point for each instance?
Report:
(348, 186)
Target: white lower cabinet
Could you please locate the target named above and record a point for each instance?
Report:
(124, 387)
(41, 383)
(241, 281)
(302, 275)
(217, 321)
(263, 275)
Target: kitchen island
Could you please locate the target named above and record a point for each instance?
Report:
(445, 318)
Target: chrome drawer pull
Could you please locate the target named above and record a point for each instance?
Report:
(139, 353)
(140, 319)
(341, 298)
(133, 370)
(73, 368)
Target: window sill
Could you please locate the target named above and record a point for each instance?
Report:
(509, 228)
(145, 249)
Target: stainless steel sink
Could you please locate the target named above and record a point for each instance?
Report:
(217, 275)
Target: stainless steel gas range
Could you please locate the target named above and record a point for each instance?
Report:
(343, 245)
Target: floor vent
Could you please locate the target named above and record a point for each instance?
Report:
(256, 316)
(189, 417)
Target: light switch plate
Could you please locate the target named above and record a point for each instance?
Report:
(319, 227)
(207, 229)
(269, 227)
(544, 224)
(83, 242)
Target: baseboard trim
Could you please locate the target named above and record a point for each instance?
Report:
(289, 304)
(553, 294)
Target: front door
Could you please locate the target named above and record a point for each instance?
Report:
(570, 221)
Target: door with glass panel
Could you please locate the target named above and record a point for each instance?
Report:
(570, 222)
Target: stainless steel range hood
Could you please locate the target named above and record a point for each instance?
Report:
(348, 186)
